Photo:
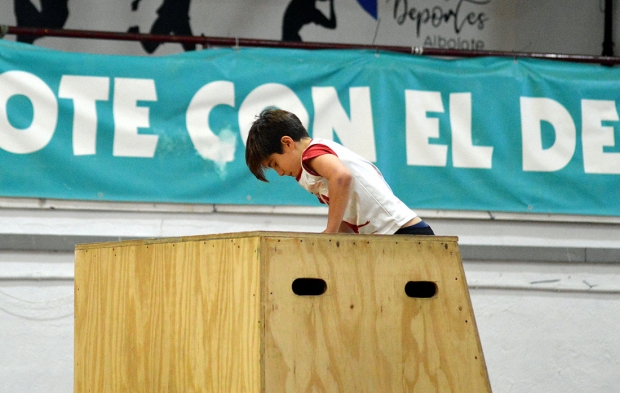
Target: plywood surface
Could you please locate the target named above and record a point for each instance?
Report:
(242, 235)
(168, 317)
(364, 334)
(217, 313)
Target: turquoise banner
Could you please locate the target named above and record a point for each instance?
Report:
(511, 135)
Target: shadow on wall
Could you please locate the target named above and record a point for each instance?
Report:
(303, 12)
(53, 15)
(173, 19)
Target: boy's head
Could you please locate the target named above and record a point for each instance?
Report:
(265, 137)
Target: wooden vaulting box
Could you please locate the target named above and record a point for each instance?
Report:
(275, 312)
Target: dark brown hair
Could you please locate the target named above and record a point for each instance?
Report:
(265, 135)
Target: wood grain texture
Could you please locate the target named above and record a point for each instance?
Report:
(364, 334)
(218, 314)
(168, 317)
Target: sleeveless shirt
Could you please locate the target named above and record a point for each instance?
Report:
(372, 208)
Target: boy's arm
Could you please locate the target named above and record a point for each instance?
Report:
(330, 167)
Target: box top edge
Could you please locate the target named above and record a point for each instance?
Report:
(255, 234)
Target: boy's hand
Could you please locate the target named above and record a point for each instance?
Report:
(344, 228)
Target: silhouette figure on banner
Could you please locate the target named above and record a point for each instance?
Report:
(173, 19)
(302, 12)
(53, 15)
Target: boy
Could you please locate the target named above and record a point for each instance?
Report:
(359, 199)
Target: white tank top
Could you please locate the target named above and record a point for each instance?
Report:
(373, 208)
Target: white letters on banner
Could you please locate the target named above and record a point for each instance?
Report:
(601, 153)
(357, 132)
(128, 117)
(45, 113)
(85, 91)
(420, 129)
(210, 146)
(464, 153)
(536, 158)
(269, 94)
(594, 136)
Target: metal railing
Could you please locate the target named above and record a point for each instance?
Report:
(207, 42)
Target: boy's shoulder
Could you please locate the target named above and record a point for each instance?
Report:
(336, 148)
(327, 142)
(318, 147)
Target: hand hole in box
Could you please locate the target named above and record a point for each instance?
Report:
(309, 286)
(421, 289)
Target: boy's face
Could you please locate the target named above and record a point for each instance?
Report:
(288, 163)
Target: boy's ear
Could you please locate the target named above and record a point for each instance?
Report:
(287, 141)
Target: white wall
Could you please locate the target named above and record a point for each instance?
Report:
(36, 327)
(549, 341)
(550, 26)
(546, 294)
